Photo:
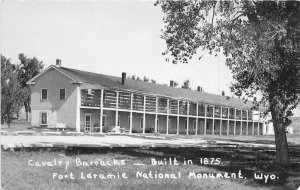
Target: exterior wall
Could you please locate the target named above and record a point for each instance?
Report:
(231, 127)
(95, 117)
(224, 127)
(192, 130)
(238, 128)
(110, 120)
(150, 122)
(209, 127)
(172, 125)
(244, 128)
(217, 127)
(162, 127)
(200, 126)
(136, 122)
(59, 111)
(182, 124)
(124, 120)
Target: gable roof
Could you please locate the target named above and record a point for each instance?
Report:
(31, 81)
(151, 88)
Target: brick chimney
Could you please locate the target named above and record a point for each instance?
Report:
(123, 78)
(171, 83)
(58, 62)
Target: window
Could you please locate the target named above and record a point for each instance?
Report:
(44, 94)
(89, 95)
(62, 94)
(194, 124)
(201, 108)
(185, 124)
(44, 118)
(141, 122)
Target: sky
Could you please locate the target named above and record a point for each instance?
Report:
(107, 37)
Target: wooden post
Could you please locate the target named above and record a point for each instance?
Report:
(178, 117)
(228, 121)
(156, 110)
(117, 108)
(168, 112)
(78, 103)
(101, 111)
(205, 114)
(234, 127)
(221, 117)
(258, 128)
(144, 115)
(241, 128)
(252, 127)
(197, 111)
(187, 118)
(130, 122)
(213, 123)
(247, 127)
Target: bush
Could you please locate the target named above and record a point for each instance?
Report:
(150, 130)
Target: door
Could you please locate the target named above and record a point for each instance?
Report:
(88, 122)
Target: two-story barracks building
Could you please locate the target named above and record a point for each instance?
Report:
(91, 102)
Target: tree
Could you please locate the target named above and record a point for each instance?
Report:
(11, 92)
(260, 40)
(28, 68)
(175, 84)
(133, 77)
(186, 85)
(153, 81)
(146, 79)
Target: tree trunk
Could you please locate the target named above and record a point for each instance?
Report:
(26, 105)
(282, 151)
(8, 121)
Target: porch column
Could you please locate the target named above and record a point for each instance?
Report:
(228, 121)
(247, 123)
(156, 110)
(205, 114)
(234, 127)
(178, 117)
(252, 127)
(241, 128)
(144, 115)
(130, 122)
(101, 110)
(187, 118)
(197, 119)
(117, 108)
(213, 123)
(78, 103)
(168, 111)
(221, 117)
(258, 128)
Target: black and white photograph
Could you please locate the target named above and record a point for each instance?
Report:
(161, 94)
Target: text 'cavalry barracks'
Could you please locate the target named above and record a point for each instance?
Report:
(91, 102)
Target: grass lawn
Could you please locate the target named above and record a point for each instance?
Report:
(16, 125)
(18, 172)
